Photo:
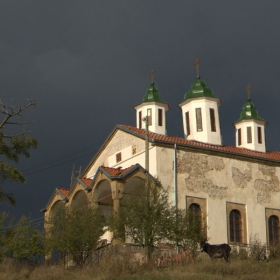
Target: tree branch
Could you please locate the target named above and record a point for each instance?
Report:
(11, 113)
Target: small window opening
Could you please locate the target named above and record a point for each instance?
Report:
(118, 157)
(149, 114)
(198, 119)
(249, 134)
(187, 123)
(212, 120)
(140, 119)
(133, 150)
(259, 135)
(160, 117)
(239, 136)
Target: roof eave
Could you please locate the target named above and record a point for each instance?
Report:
(217, 151)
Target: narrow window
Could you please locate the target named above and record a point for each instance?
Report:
(259, 135)
(198, 119)
(195, 218)
(212, 119)
(134, 150)
(273, 229)
(239, 136)
(235, 226)
(118, 157)
(249, 134)
(140, 119)
(160, 117)
(187, 123)
(149, 114)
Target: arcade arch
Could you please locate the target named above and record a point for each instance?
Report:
(79, 199)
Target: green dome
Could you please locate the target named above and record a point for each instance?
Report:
(199, 89)
(152, 95)
(249, 112)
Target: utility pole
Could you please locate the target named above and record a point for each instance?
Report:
(146, 120)
(147, 185)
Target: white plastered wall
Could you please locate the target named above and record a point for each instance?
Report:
(124, 143)
(206, 135)
(222, 180)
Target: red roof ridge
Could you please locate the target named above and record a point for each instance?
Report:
(63, 191)
(117, 171)
(85, 180)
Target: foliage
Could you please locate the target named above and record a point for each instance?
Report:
(73, 230)
(3, 217)
(24, 241)
(13, 145)
(274, 251)
(189, 231)
(240, 254)
(149, 218)
(146, 215)
(257, 249)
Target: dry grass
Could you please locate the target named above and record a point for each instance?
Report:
(122, 269)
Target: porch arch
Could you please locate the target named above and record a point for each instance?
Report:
(79, 200)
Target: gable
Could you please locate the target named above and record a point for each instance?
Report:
(120, 142)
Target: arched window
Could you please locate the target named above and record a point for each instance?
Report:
(235, 226)
(195, 217)
(273, 228)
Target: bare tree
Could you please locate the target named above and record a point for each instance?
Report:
(13, 144)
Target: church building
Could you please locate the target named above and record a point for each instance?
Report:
(236, 188)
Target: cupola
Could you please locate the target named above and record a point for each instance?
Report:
(154, 108)
(250, 128)
(200, 113)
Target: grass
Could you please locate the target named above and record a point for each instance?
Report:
(118, 269)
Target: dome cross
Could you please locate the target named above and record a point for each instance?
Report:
(248, 89)
(196, 65)
(152, 74)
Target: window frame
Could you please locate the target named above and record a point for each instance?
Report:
(243, 221)
(268, 213)
(273, 230)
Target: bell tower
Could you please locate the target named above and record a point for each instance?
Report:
(154, 108)
(250, 128)
(200, 112)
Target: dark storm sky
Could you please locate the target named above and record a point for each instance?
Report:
(87, 63)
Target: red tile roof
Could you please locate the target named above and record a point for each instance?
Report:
(117, 171)
(181, 141)
(63, 191)
(86, 181)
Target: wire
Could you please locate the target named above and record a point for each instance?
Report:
(44, 166)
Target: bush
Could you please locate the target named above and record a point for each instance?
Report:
(257, 249)
(274, 251)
